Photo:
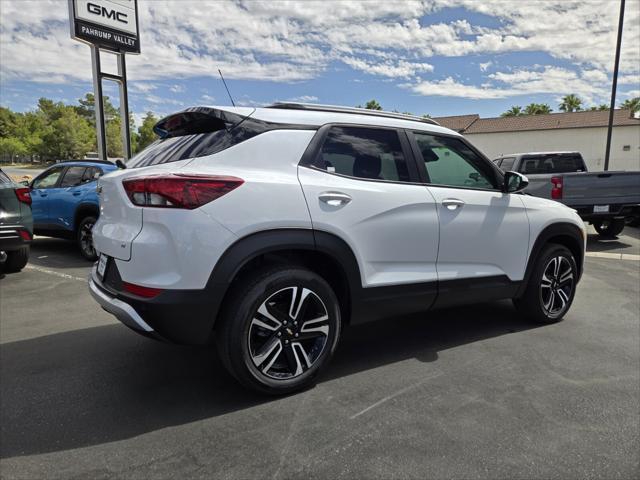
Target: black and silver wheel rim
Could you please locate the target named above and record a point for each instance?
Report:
(556, 286)
(86, 239)
(288, 333)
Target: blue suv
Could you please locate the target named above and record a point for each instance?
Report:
(65, 202)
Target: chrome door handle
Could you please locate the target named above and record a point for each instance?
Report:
(334, 199)
(453, 203)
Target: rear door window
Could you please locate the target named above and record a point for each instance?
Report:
(91, 174)
(367, 153)
(73, 177)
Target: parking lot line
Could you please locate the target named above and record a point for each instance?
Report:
(54, 273)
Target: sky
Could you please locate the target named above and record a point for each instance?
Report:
(437, 57)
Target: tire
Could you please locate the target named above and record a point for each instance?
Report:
(279, 329)
(16, 260)
(550, 291)
(609, 228)
(85, 240)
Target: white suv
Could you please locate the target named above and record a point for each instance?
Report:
(267, 230)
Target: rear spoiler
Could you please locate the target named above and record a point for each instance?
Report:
(195, 120)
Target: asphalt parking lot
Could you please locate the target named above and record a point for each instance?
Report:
(474, 392)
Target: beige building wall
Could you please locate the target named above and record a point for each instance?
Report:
(590, 142)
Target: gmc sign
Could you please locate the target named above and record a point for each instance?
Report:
(109, 24)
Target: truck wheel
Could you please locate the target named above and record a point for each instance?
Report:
(279, 329)
(609, 228)
(85, 238)
(551, 287)
(16, 260)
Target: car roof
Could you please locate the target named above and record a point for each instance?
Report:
(323, 114)
(85, 163)
(536, 153)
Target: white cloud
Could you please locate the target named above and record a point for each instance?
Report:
(177, 88)
(303, 99)
(298, 40)
(388, 68)
(547, 79)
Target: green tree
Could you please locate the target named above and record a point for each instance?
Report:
(11, 147)
(570, 103)
(87, 109)
(602, 106)
(372, 105)
(537, 109)
(68, 137)
(146, 135)
(514, 111)
(632, 104)
(114, 138)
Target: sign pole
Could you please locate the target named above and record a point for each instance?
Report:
(98, 102)
(124, 108)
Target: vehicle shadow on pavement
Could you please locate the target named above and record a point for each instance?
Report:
(595, 243)
(50, 252)
(103, 384)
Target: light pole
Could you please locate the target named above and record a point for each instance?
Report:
(613, 87)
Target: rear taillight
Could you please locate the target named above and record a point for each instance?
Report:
(140, 291)
(24, 195)
(556, 188)
(178, 190)
(26, 236)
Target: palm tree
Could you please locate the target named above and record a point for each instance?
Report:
(537, 109)
(571, 103)
(601, 107)
(514, 111)
(632, 104)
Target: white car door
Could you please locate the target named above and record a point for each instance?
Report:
(359, 187)
(484, 233)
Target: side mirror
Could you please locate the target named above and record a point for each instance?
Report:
(514, 182)
(25, 183)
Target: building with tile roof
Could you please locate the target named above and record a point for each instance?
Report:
(585, 132)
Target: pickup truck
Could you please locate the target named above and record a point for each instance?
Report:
(65, 202)
(604, 199)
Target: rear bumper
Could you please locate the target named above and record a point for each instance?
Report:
(10, 238)
(615, 211)
(177, 316)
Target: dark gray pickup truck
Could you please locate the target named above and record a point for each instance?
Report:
(605, 199)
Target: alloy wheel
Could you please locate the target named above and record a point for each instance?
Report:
(556, 286)
(86, 239)
(288, 333)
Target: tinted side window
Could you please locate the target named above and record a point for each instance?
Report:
(371, 153)
(551, 164)
(449, 161)
(48, 179)
(507, 163)
(91, 174)
(73, 177)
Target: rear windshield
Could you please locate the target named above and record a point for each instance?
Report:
(192, 134)
(551, 164)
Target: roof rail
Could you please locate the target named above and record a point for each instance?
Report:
(359, 111)
(87, 160)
